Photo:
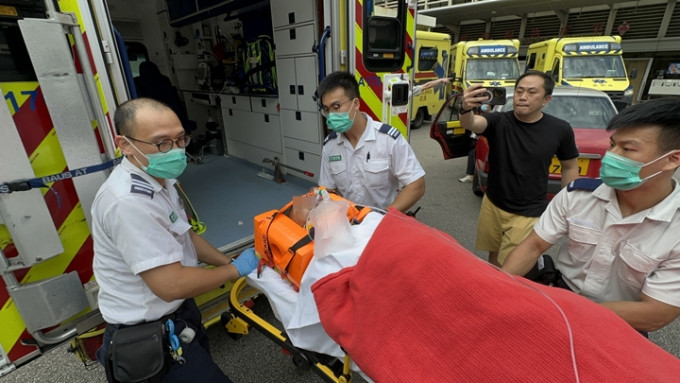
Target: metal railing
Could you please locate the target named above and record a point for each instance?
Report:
(426, 4)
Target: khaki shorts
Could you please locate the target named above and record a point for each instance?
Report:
(500, 231)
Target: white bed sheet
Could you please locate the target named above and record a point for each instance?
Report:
(297, 310)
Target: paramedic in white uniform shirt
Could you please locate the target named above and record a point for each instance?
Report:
(623, 248)
(369, 163)
(146, 253)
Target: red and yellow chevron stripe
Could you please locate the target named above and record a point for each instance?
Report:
(39, 138)
(370, 83)
(37, 133)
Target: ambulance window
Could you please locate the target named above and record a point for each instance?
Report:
(380, 35)
(15, 63)
(137, 54)
(384, 39)
(531, 62)
(427, 58)
(556, 70)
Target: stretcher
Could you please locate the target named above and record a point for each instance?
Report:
(469, 322)
(292, 301)
(242, 318)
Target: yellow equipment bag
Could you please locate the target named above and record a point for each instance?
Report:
(285, 245)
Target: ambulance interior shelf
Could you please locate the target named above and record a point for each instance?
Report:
(182, 13)
(238, 66)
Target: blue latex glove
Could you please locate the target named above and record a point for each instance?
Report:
(246, 262)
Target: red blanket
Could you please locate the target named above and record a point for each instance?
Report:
(418, 307)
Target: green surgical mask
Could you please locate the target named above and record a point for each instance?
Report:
(622, 173)
(170, 164)
(340, 122)
(166, 165)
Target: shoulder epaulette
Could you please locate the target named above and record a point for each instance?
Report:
(587, 184)
(331, 136)
(141, 186)
(390, 131)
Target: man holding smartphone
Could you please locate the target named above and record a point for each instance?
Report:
(522, 143)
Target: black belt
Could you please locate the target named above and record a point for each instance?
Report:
(163, 319)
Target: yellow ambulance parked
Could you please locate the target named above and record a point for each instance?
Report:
(486, 62)
(588, 62)
(431, 63)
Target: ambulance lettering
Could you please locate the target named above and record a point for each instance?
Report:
(373, 80)
(492, 50)
(593, 47)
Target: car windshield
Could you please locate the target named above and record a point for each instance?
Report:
(593, 66)
(582, 112)
(491, 69)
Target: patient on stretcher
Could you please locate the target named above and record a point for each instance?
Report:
(408, 303)
(337, 244)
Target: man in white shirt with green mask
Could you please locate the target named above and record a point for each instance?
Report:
(365, 161)
(623, 248)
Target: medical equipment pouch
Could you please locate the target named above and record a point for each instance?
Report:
(260, 65)
(288, 247)
(546, 273)
(137, 354)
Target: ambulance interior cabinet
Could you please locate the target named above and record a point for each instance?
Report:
(296, 83)
(295, 34)
(302, 155)
(252, 127)
(291, 12)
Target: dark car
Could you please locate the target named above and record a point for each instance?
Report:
(587, 110)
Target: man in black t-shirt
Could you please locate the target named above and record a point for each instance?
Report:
(522, 143)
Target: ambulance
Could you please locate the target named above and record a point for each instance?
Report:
(67, 64)
(431, 63)
(588, 62)
(486, 62)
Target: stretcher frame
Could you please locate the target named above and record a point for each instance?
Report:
(241, 318)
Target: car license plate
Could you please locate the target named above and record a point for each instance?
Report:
(556, 167)
(6, 10)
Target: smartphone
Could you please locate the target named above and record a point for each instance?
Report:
(495, 95)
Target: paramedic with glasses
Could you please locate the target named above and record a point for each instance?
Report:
(365, 161)
(145, 252)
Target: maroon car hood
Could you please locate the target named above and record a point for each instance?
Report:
(592, 141)
(589, 142)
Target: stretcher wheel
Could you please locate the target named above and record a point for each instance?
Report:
(225, 318)
(301, 360)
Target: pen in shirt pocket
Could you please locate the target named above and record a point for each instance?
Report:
(368, 156)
